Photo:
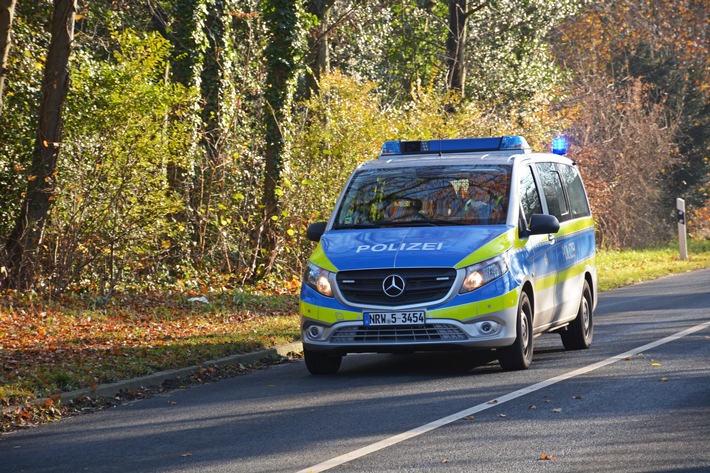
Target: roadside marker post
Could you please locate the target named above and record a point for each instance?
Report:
(682, 238)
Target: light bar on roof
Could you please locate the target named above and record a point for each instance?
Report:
(456, 145)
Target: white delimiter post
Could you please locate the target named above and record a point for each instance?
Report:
(682, 240)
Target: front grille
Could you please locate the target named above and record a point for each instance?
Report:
(398, 333)
(422, 285)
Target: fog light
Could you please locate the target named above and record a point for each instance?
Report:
(314, 331)
(488, 327)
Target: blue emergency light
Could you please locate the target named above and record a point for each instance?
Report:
(559, 145)
(456, 145)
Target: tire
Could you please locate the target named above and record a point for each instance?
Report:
(579, 333)
(322, 363)
(519, 355)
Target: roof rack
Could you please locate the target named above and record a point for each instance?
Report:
(458, 145)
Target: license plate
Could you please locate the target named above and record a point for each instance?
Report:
(394, 318)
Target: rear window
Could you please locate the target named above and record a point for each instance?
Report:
(579, 206)
(431, 195)
(554, 194)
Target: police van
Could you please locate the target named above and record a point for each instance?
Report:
(452, 244)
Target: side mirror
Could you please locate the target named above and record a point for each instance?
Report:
(316, 230)
(541, 224)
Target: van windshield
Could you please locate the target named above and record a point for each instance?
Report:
(431, 195)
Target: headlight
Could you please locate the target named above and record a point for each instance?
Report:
(319, 279)
(480, 274)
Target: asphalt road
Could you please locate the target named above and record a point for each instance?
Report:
(637, 400)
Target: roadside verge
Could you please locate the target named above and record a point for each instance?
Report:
(155, 380)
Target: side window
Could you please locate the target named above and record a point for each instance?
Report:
(529, 195)
(579, 206)
(554, 194)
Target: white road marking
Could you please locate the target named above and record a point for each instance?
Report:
(388, 442)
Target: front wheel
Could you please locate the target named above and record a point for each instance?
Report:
(519, 355)
(578, 334)
(322, 363)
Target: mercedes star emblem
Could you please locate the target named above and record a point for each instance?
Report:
(393, 285)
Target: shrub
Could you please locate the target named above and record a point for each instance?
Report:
(112, 210)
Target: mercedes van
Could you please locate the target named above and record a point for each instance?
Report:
(456, 244)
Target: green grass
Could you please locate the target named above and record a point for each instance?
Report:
(621, 268)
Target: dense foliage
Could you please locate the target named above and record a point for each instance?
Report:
(193, 142)
(640, 92)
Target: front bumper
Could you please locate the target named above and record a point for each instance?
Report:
(493, 330)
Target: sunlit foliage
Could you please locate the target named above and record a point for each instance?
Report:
(192, 147)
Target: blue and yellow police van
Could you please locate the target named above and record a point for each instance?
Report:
(452, 244)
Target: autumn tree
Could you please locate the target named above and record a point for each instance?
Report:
(659, 47)
(7, 11)
(491, 50)
(318, 56)
(459, 12)
(22, 243)
(286, 44)
(114, 213)
(204, 50)
(18, 120)
(623, 147)
(182, 26)
(214, 70)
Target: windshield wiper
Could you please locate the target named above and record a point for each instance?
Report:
(380, 224)
(417, 222)
(437, 221)
(356, 226)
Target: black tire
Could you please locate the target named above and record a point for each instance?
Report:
(519, 355)
(322, 363)
(579, 333)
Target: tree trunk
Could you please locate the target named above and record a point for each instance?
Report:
(7, 11)
(455, 46)
(27, 234)
(318, 53)
(283, 55)
(459, 11)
